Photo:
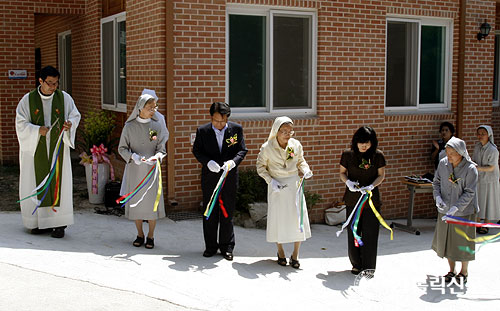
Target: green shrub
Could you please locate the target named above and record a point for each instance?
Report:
(312, 199)
(98, 125)
(251, 188)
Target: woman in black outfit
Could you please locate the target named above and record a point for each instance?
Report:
(362, 168)
(447, 130)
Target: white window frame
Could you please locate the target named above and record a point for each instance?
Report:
(62, 59)
(448, 45)
(117, 18)
(269, 12)
(496, 103)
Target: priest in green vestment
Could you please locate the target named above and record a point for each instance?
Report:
(41, 115)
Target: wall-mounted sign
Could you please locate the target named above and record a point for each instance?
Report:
(18, 74)
(193, 137)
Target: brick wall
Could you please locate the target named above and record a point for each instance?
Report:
(17, 51)
(350, 82)
(351, 85)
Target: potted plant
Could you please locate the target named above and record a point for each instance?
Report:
(95, 143)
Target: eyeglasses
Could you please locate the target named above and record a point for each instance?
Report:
(155, 108)
(286, 133)
(52, 84)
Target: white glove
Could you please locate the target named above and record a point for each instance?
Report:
(450, 212)
(213, 166)
(276, 186)
(137, 158)
(157, 157)
(308, 174)
(440, 203)
(367, 188)
(228, 165)
(352, 185)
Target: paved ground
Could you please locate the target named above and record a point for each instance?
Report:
(95, 267)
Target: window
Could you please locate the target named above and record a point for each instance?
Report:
(64, 61)
(496, 71)
(271, 61)
(418, 62)
(113, 63)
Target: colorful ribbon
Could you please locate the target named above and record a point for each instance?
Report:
(158, 194)
(348, 221)
(465, 222)
(299, 203)
(44, 185)
(354, 225)
(356, 214)
(215, 195)
(99, 156)
(379, 217)
(126, 198)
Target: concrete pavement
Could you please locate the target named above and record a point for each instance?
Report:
(95, 267)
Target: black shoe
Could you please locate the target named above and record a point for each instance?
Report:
(228, 256)
(58, 233)
(150, 243)
(294, 263)
(40, 231)
(138, 242)
(355, 271)
(449, 276)
(208, 253)
(281, 260)
(482, 230)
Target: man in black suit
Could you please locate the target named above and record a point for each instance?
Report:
(219, 145)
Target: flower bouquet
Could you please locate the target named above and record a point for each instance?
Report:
(94, 142)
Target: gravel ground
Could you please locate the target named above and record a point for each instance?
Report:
(9, 188)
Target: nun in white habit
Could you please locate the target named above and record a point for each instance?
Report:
(142, 143)
(279, 162)
(488, 187)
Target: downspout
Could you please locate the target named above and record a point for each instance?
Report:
(461, 68)
(169, 55)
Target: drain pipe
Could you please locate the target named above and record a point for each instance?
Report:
(461, 69)
(169, 74)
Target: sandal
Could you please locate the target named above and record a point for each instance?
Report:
(294, 263)
(482, 230)
(281, 260)
(138, 242)
(448, 277)
(461, 278)
(150, 243)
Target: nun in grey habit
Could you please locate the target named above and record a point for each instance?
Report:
(454, 185)
(488, 188)
(142, 143)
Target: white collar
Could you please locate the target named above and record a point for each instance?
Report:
(141, 120)
(45, 97)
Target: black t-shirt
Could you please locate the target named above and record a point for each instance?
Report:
(364, 171)
(442, 145)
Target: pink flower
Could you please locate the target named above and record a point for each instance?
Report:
(154, 137)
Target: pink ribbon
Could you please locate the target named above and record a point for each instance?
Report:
(99, 156)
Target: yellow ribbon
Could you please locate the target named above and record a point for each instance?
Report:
(158, 195)
(379, 217)
(476, 240)
(57, 177)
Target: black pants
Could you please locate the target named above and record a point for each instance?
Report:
(217, 225)
(364, 257)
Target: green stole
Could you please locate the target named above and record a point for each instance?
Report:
(42, 161)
